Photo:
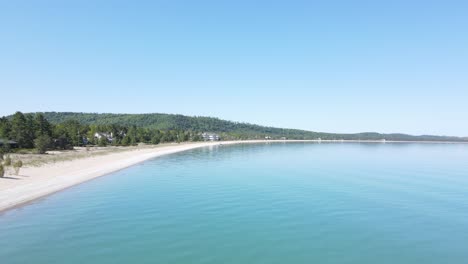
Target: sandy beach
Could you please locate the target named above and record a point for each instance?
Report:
(37, 181)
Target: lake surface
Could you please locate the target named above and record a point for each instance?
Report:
(260, 203)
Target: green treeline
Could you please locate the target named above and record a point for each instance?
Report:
(35, 131)
(226, 129)
(62, 130)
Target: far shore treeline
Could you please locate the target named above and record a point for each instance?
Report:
(64, 130)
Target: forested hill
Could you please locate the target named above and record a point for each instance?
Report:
(234, 130)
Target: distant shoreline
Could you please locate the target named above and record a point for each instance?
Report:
(365, 141)
(37, 182)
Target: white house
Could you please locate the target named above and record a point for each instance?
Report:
(210, 136)
(99, 135)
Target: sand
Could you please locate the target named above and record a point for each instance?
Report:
(35, 182)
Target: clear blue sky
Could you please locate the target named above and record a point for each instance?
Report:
(335, 66)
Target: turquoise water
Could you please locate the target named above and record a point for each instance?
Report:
(262, 203)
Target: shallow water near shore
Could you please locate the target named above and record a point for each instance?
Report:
(257, 203)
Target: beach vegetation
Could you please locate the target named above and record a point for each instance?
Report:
(103, 142)
(17, 166)
(126, 141)
(7, 161)
(197, 138)
(5, 148)
(156, 139)
(42, 143)
(116, 142)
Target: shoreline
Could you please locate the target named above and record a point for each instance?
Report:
(37, 182)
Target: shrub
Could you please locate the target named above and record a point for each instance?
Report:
(126, 141)
(6, 148)
(17, 166)
(103, 142)
(42, 143)
(155, 140)
(24, 151)
(7, 160)
(115, 142)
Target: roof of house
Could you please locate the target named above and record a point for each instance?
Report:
(209, 134)
(3, 141)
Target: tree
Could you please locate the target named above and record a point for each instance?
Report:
(182, 136)
(103, 141)
(17, 166)
(42, 143)
(30, 129)
(132, 134)
(165, 137)
(142, 135)
(115, 141)
(5, 128)
(2, 171)
(5, 148)
(197, 138)
(91, 132)
(71, 132)
(74, 132)
(62, 142)
(155, 140)
(20, 131)
(126, 141)
(42, 126)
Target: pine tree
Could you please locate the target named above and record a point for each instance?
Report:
(20, 132)
(42, 126)
(5, 128)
